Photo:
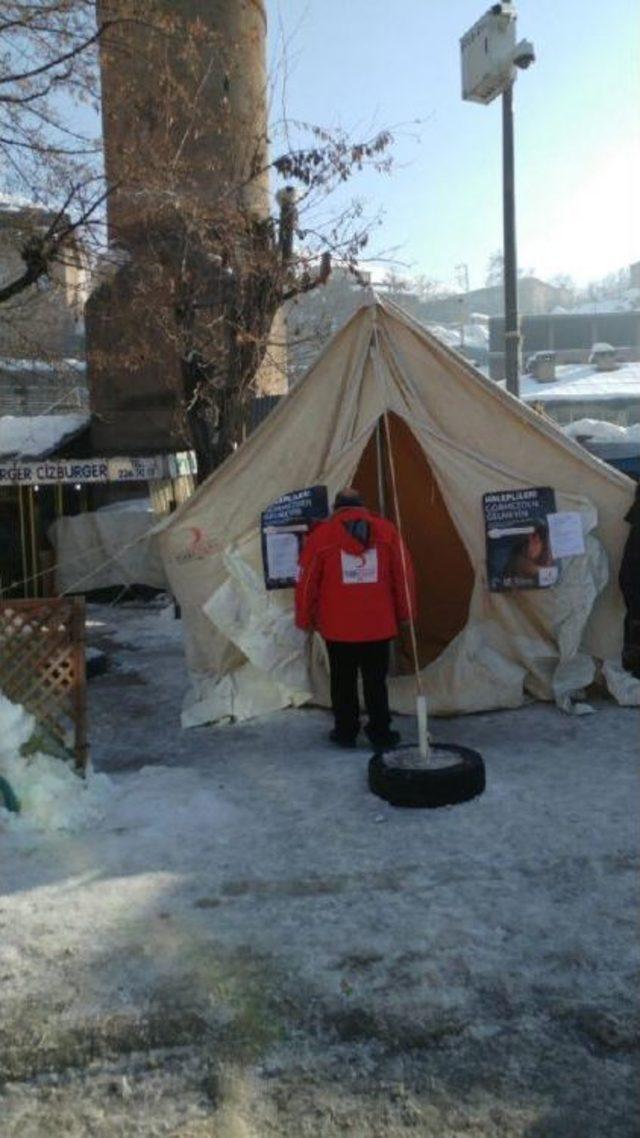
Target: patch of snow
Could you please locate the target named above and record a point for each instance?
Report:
(36, 436)
(245, 860)
(602, 346)
(600, 431)
(51, 795)
(476, 335)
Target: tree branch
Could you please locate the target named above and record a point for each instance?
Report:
(50, 64)
(43, 250)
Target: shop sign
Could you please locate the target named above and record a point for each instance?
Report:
(53, 471)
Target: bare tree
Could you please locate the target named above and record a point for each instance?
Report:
(608, 287)
(396, 284)
(48, 65)
(428, 288)
(195, 249)
(495, 270)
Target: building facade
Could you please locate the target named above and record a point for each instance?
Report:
(534, 298)
(41, 328)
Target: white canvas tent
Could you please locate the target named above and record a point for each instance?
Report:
(455, 436)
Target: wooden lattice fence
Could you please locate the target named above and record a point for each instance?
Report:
(42, 666)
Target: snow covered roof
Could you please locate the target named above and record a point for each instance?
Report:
(15, 202)
(41, 366)
(583, 383)
(36, 436)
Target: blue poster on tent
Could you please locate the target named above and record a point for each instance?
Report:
(284, 526)
(519, 552)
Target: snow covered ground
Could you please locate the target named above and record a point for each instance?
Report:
(249, 944)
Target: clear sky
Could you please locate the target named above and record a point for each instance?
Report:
(360, 64)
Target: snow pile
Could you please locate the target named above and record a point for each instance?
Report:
(51, 795)
(602, 432)
(475, 335)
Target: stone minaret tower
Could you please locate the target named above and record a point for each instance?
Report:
(184, 121)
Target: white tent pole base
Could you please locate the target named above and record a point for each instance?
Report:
(423, 738)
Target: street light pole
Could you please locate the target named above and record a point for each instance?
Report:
(489, 57)
(511, 325)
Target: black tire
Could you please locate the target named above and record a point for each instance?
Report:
(424, 787)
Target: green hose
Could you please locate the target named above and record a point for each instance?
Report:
(7, 797)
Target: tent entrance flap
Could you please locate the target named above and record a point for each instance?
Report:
(444, 575)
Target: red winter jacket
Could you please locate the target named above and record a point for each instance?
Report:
(352, 587)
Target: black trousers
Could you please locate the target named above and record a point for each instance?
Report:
(371, 659)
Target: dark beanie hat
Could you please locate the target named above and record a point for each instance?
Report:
(346, 498)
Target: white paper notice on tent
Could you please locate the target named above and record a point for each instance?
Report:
(282, 555)
(566, 535)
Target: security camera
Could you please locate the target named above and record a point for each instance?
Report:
(524, 54)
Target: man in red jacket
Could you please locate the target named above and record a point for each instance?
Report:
(355, 587)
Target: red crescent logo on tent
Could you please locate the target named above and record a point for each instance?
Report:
(197, 540)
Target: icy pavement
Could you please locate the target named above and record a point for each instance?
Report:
(251, 944)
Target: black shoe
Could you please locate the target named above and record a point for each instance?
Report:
(383, 741)
(348, 741)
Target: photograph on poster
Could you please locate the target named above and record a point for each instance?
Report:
(519, 552)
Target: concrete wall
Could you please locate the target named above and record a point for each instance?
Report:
(570, 335)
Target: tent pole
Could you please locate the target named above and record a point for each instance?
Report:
(32, 535)
(23, 542)
(382, 505)
(382, 509)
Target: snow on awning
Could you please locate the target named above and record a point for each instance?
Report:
(37, 436)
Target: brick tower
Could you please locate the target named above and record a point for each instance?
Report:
(184, 122)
